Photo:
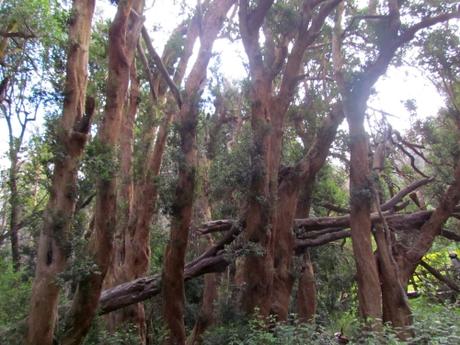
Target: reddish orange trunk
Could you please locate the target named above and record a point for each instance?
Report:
(268, 112)
(123, 35)
(291, 180)
(116, 273)
(306, 292)
(409, 260)
(395, 305)
(54, 243)
(369, 291)
(173, 272)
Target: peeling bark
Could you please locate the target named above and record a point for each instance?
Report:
(173, 271)
(123, 35)
(54, 243)
(268, 112)
(304, 173)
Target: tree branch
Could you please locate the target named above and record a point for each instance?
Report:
(161, 67)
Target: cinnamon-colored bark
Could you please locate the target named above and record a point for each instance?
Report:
(303, 173)
(355, 94)
(123, 35)
(117, 273)
(173, 271)
(395, 306)
(268, 112)
(212, 260)
(409, 261)
(132, 257)
(54, 243)
(306, 292)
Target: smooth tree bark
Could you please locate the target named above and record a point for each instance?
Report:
(311, 232)
(54, 244)
(395, 307)
(187, 119)
(132, 255)
(306, 292)
(355, 92)
(304, 173)
(116, 274)
(123, 36)
(268, 113)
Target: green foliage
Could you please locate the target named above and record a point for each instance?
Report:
(435, 324)
(335, 281)
(98, 334)
(100, 160)
(81, 265)
(229, 177)
(15, 288)
(329, 188)
(255, 332)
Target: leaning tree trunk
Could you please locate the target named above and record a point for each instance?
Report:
(409, 260)
(54, 244)
(173, 271)
(126, 25)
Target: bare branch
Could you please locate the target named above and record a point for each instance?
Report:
(403, 192)
(161, 67)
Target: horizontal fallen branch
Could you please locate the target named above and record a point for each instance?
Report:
(214, 259)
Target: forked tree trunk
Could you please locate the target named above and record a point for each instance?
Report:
(290, 186)
(395, 306)
(133, 256)
(54, 244)
(123, 35)
(268, 113)
(173, 271)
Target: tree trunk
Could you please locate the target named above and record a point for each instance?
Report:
(202, 214)
(303, 173)
(369, 291)
(206, 313)
(14, 208)
(395, 305)
(306, 292)
(54, 244)
(123, 36)
(174, 259)
(117, 273)
(268, 114)
(134, 256)
(409, 260)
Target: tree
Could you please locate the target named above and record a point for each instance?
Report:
(173, 271)
(55, 236)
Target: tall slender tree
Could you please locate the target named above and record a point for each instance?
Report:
(187, 119)
(54, 243)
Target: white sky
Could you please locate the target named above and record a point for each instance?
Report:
(398, 85)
